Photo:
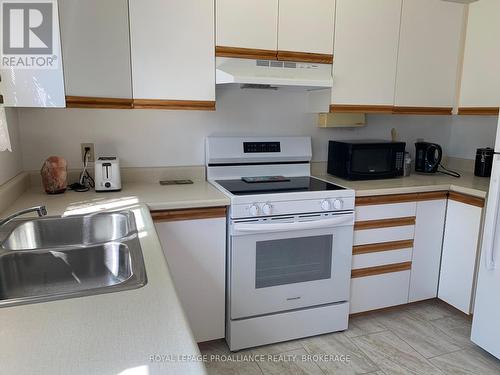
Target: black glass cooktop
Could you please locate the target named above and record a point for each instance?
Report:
(276, 184)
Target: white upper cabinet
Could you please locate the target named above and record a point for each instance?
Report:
(429, 51)
(172, 49)
(366, 49)
(33, 74)
(481, 73)
(306, 26)
(247, 23)
(96, 48)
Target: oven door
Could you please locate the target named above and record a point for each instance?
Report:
(286, 263)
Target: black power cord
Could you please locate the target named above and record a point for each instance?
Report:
(85, 182)
(448, 172)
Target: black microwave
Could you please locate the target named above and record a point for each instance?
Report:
(366, 160)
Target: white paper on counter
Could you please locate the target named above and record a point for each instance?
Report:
(4, 131)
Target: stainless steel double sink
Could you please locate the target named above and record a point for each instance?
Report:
(53, 258)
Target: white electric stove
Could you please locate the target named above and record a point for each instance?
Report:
(289, 240)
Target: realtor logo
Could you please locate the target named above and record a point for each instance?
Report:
(28, 34)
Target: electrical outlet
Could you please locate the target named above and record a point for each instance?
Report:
(91, 156)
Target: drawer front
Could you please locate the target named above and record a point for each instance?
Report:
(379, 291)
(376, 235)
(381, 258)
(386, 211)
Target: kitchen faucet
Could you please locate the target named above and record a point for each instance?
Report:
(40, 210)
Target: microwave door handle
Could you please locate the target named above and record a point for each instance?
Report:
(296, 225)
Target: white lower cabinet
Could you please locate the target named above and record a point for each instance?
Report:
(195, 251)
(460, 250)
(379, 291)
(427, 249)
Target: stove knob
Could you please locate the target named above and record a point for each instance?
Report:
(338, 204)
(267, 209)
(326, 205)
(254, 210)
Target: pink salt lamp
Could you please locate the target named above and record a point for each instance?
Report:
(55, 175)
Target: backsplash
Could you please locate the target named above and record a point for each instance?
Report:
(156, 138)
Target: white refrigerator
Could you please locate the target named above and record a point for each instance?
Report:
(486, 321)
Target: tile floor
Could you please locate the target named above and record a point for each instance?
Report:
(425, 339)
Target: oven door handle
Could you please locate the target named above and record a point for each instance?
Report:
(241, 228)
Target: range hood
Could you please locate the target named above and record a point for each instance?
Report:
(273, 73)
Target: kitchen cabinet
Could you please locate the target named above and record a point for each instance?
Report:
(428, 56)
(288, 30)
(460, 251)
(366, 51)
(306, 26)
(480, 86)
(426, 259)
(172, 54)
(251, 24)
(194, 243)
(24, 85)
(382, 254)
(96, 59)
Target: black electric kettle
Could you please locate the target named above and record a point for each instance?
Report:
(427, 157)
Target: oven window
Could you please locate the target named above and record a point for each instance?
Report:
(371, 160)
(293, 260)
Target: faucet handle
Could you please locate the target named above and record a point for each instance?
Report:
(42, 211)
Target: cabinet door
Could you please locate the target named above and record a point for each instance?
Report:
(429, 50)
(172, 48)
(96, 48)
(306, 26)
(427, 249)
(366, 48)
(459, 254)
(247, 23)
(196, 254)
(25, 85)
(481, 78)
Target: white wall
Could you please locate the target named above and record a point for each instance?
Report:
(165, 138)
(470, 133)
(11, 162)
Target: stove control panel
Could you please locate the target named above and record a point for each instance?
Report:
(292, 207)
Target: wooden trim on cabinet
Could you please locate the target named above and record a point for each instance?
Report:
(400, 110)
(467, 199)
(95, 102)
(382, 246)
(196, 105)
(246, 53)
(385, 223)
(188, 214)
(354, 108)
(379, 270)
(431, 196)
(386, 199)
(401, 198)
(478, 111)
(320, 58)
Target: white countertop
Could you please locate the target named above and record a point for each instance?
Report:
(114, 333)
(416, 183)
(154, 195)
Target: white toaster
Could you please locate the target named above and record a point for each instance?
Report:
(107, 174)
